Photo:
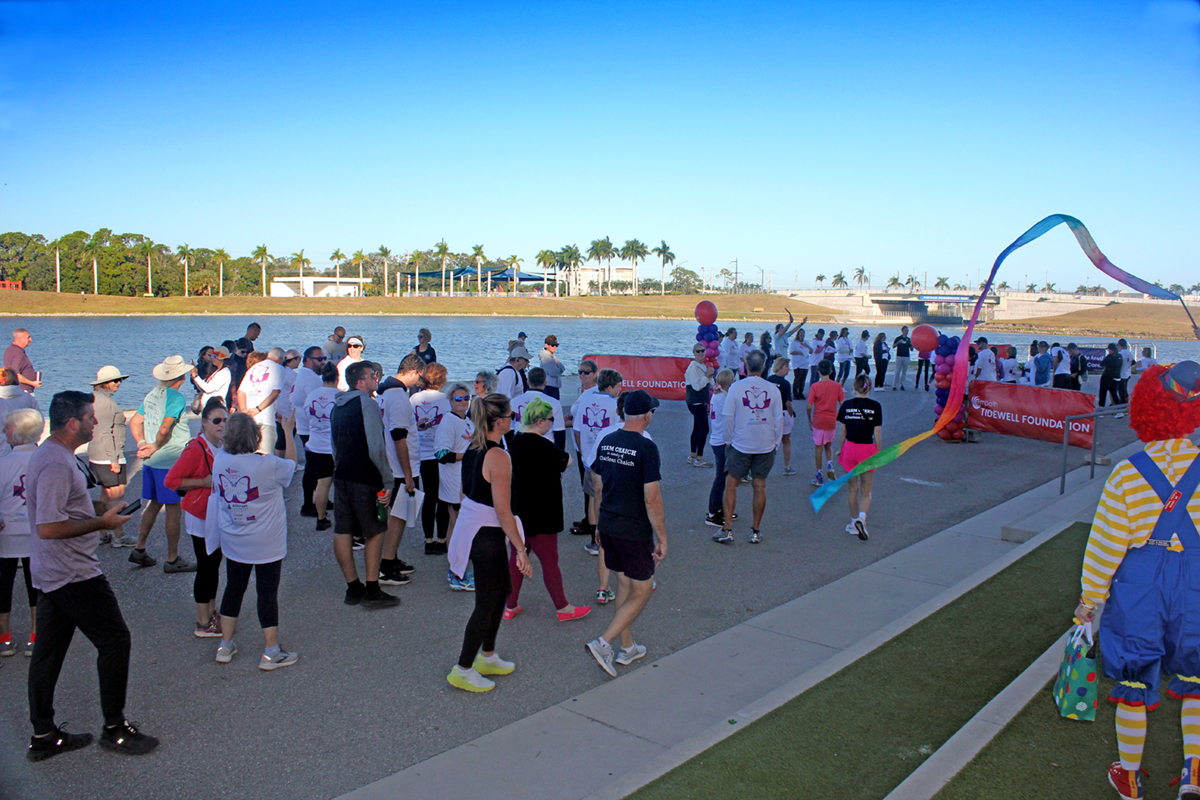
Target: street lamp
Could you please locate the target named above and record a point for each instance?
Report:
(762, 277)
(735, 275)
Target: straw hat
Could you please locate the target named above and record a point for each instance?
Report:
(107, 374)
(171, 368)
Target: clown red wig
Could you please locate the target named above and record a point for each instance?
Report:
(1155, 414)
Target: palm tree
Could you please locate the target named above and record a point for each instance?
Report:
(515, 262)
(894, 283)
(913, 283)
(1031, 288)
(839, 281)
(1176, 288)
(1194, 288)
(92, 250)
(261, 255)
(572, 258)
(633, 252)
(221, 257)
(300, 261)
(384, 254)
(1003, 287)
(1082, 289)
(477, 254)
(664, 252)
(942, 283)
(145, 250)
(184, 254)
(821, 281)
(337, 257)
(441, 251)
(1049, 287)
(860, 276)
(602, 250)
(959, 287)
(358, 258)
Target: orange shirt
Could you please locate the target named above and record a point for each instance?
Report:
(824, 397)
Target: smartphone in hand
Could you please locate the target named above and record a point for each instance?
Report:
(131, 508)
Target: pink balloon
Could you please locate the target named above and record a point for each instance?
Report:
(942, 369)
(938, 360)
(949, 360)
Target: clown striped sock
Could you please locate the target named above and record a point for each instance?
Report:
(1190, 718)
(1131, 735)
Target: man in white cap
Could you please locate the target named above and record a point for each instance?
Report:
(161, 413)
(259, 393)
(511, 377)
(354, 353)
(106, 450)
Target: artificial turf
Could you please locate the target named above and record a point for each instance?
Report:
(860, 732)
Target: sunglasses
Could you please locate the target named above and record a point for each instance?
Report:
(586, 371)
(352, 345)
(319, 358)
(217, 420)
(461, 398)
(293, 358)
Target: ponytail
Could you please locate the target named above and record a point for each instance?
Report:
(485, 411)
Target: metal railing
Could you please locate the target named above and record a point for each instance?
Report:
(1102, 412)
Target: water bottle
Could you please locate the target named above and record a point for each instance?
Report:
(381, 509)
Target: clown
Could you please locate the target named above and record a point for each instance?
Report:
(1142, 559)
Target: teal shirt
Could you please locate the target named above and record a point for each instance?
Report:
(158, 405)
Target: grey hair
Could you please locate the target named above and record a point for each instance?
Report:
(276, 354)
(452, 389)
(490, 381)
(755, 360)
(27, 425)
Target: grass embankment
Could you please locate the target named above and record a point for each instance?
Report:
(1119, 319)
(859, 733)
(14, 303)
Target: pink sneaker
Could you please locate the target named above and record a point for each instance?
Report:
(509, 613)
(579, 613)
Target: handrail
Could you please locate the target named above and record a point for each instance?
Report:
(1120, 409)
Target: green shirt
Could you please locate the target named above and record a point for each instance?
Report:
(158, 405)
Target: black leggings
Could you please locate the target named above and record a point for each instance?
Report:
(208, 571)
(309, 482)
(266, 578)
(880, 372)
(1110, 387)
(699, 427)
(492, 585)
(8, 575)
(925, 366)
(798, 378)
(433, 508)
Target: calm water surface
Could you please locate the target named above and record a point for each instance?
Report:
(68, 351)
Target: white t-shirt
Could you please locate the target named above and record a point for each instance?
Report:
(843, 349)
(306, 381)
(520, 401)
(508, 381)
(250, 511)
(800, 353)
(730, 355)
(1011, 370)
(861, 348)
(262, 379)
(316, 412)
(398, 413)
(593, 412)
(754, 414)
(1126, 363)
(216, 385)
(343, 365)
(1064, 366)
(779, 344)
(454, 434)
(716, 418)
(430, 407)
(284, 404)
(985, 365)
(591, 456)
(743, 351)
(14, 539)
(1145, 363)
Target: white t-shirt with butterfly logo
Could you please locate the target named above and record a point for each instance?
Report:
(251, 516)
(262, 379)
(430, 407)
(756, 415)
(520, 401)
(317, 411)
(593, 412)
(454, 434)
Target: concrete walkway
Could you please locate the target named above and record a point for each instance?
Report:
(609, 741)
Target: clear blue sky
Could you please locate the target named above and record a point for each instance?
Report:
(801, 137)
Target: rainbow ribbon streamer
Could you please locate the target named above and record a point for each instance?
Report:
(958, 384)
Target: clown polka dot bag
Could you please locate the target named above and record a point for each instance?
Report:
(1076, 690)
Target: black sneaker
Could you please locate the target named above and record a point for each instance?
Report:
(358, 543)
(58, 742)
(435, 548)
(141, 558)
(404, 567)
(354, 594)
(716, 520)
(380, 600)
(308, 511)
(125, 738)
(583, 528)
(324, 524)
(390, 575)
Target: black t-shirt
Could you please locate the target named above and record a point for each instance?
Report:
(861, 416)
(537, 467)
(903, 345)
(428, 356)
(785, 391)
(626, 462)
(475, 486)
(1111, 366)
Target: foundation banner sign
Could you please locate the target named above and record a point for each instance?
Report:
(1030, 411)
(659, 376)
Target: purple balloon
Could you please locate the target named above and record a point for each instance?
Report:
(942, 369)
(699, 337)
(949, 361)
(938, 409)
(939, 360)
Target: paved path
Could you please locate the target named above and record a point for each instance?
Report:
(369, 698)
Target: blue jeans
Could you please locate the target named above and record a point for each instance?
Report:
(717, 492)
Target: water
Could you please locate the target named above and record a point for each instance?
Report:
(68, 351)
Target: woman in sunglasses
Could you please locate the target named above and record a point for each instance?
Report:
(450, 445)
(191, 476)
(218, 379)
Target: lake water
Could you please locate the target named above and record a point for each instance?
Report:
(68, 351)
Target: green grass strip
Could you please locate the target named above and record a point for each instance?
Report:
(861, 732)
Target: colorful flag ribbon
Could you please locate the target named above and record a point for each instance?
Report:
(958, 383)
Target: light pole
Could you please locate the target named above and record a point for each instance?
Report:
(735, 275)
(762, 278)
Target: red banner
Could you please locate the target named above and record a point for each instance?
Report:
(1030, 411)
(660, 376)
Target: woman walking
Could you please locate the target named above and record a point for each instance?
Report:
(318, 450)
(883, 354)
(106, 450)
(22, 428)
(192, 474)
(779, 372)
(859, 436)
(484, 523)
(249, 525)
(716, 440)
(697, 379)
(843, 355)
(537, 467)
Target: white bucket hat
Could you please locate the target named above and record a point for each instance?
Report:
(107, 374)
(171, 368)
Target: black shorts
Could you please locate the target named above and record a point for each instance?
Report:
(633, 559)
(318, 465)
(106, 477)
(397, 486)
(354, 508)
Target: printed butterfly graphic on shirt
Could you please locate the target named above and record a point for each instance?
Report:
(19, 489)
(757, 399)
(320, 408)
(236, 490)
(428, 416)
(595, 417)
(261, 377)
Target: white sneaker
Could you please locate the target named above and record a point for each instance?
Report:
(603, 653)
(851, 529)
(226, 654)
(492, 665)
(128, 540)
(627, 657)
(469, 680)
(283, 659)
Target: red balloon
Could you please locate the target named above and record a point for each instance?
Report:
(944, 434)
(924, 337)
(706, 312)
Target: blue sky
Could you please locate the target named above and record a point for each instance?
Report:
(804, 138)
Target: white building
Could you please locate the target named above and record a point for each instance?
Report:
(318, 286)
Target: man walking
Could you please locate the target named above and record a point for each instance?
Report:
(552, 367)
(362, 480)
(902, 344)
(308, 380)
(16, 359)
(161, 433)
(753, 430)
(587, 383)
(632, 525)
(593, 412)
(74, 592)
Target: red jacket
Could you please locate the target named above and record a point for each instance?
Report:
(196, 461)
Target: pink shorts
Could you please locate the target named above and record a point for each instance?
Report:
(854, 454)
(821, 437)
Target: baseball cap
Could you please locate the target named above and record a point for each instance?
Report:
(521, 335)
(552, 340)
(519, 352)
(639, 402)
